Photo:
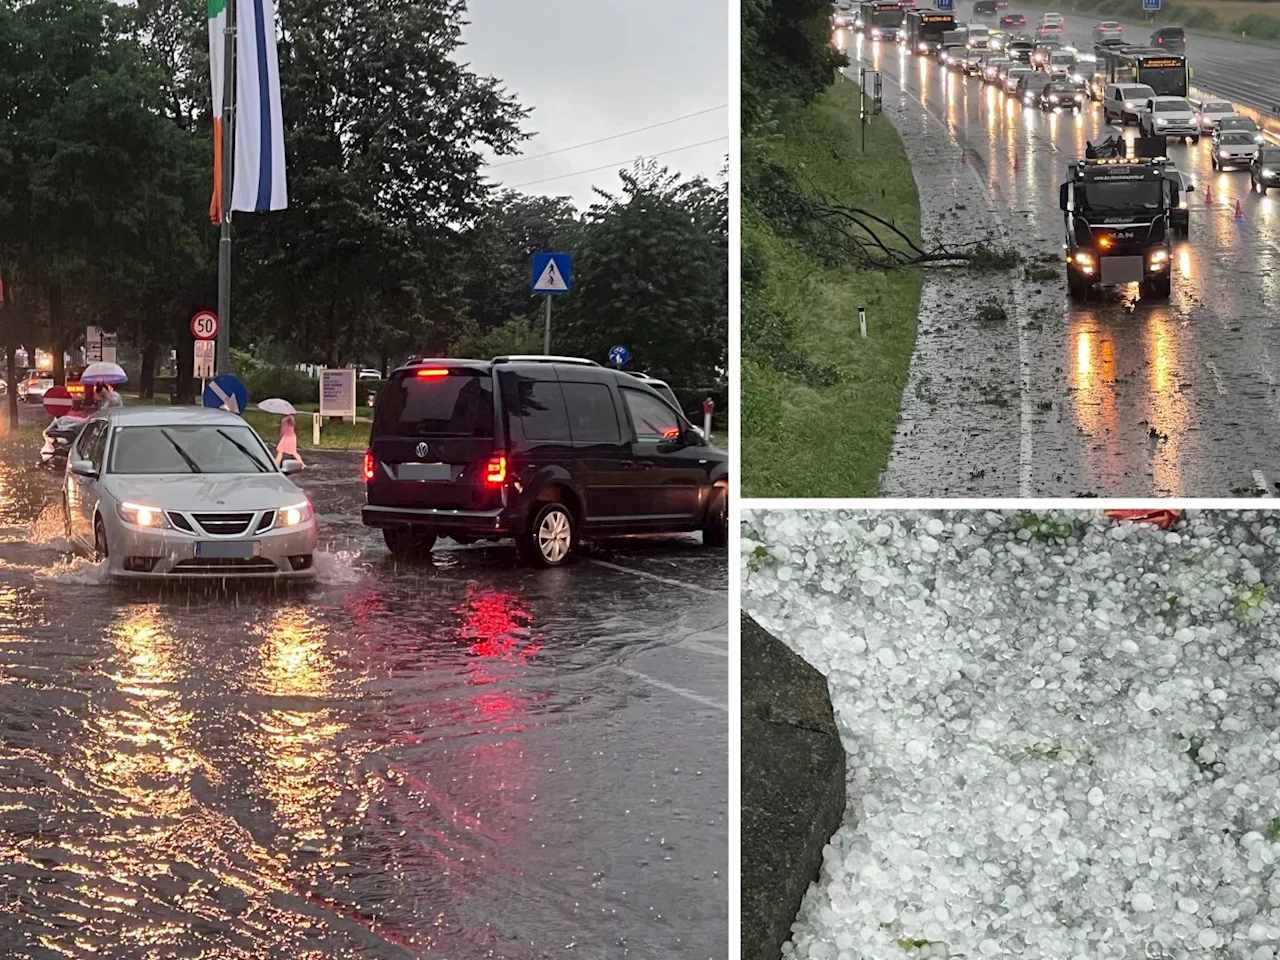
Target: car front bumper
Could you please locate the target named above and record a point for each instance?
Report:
(135, 553)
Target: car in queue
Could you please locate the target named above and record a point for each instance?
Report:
(1173, 39)
(1107, 30)
(1013, 21)
(1183, 184)
(991, 69)
(1060, 63)
(1040, 55)
(1058, 94)
(547, 451)
(1238, 124)
(1169, 117)
(985, 8)
(1013, 79)
(973, 61)
(1264, 169)
(1233, 150)
(185, 493)
(996, 40)
(1049, 31)
(1020, 49)
(1121, 102)
(33, 385)
(954, 57)
(1210, 112)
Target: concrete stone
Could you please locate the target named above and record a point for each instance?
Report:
(793, 786)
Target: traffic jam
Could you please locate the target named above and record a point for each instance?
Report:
(1128, 167)
(450, 660)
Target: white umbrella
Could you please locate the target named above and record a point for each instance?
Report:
(100, 372)
(276, 405)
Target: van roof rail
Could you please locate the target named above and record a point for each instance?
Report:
(543, 358)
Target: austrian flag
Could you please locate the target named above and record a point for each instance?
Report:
(258, 181)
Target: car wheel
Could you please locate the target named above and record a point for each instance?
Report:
(1213, 162)
(1077, 288)
(715, 526)
(1160, 288)
(66, 518)
(1195, 140)
(406, 543)
(551, 539)
(101, 550)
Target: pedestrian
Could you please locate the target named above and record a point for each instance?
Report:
(287, 445)
(109, 397)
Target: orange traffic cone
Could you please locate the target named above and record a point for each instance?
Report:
(1208, 194)
(1239, 213)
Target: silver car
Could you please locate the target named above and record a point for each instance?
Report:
(1233, 149)
(185, 492)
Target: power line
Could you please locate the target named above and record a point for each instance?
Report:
(615, 164)
(616, 136)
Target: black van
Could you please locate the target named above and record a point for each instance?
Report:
(1173, 39)
(547, 450)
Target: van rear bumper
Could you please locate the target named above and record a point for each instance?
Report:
(475, 522)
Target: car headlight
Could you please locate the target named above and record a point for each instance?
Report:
(1268, 172)
(1259, 138)
(140, 515)
(294, 515)
(1161, 121)
(1128, 105)
(1053, 98)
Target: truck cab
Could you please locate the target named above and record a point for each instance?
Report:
(1119, 226)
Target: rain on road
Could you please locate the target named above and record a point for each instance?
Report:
(465, 759)
(1116, 397)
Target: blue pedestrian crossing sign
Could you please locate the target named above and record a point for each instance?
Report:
(619, 355)
(1151, 5)
(552, 272)
(227, 393)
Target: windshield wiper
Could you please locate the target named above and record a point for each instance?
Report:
(195, 467)
(243, 449)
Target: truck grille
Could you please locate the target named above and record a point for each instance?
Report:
(224, 524)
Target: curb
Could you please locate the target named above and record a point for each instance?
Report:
(793, 786)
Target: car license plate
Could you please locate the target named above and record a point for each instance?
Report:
(426, 471)
(227, 549)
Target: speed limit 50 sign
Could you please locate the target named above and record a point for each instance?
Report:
(204, 325)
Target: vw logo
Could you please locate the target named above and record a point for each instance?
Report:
(422, 450)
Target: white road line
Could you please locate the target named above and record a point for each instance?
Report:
(1217, 377)
(1260, 481)
(672, 688)
(654, 576)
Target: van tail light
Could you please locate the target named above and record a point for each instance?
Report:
(368, 466)
(495, 471)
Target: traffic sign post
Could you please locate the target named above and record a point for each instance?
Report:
(552, 275)
(204, 360)
(204, 325)
(228, 393)
(946, 6)
(619, 355)
(1151, 6)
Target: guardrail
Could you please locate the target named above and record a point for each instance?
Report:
(1269, 122)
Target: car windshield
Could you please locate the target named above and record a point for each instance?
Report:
(1238, 123)
(1271, 155)
(1062, 88)
(1136, 93)
(434, 403)
(1237, 139)
(1172, 106)
(188, 448)
(1120, 196)
(1218, 108)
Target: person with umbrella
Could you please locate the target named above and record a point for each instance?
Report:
(287, 445)
(104, 377)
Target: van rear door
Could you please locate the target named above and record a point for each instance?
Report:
(433, 439)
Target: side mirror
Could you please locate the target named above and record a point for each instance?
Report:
(1063, 196)
(84, 468)
(694, 437)
(290, 466)
(1191, 188)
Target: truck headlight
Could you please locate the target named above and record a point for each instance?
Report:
(139, 515)
(295, 515)
(1159, 258)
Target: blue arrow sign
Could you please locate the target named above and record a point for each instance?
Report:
(1151, 5)
(619, 355)
(552, 272)
(227, 392)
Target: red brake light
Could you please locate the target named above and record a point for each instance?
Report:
(368, 465)
(495, 471)
(432, 372)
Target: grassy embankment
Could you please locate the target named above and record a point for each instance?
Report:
(1257, 21)
(819, 403)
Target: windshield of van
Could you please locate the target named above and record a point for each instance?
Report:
(428, 403)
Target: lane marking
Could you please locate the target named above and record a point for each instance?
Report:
(672, 688)
(1217, 377)
(653, 576)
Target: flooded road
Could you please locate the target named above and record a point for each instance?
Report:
(464, 759)
(1115, 397)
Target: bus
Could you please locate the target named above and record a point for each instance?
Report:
(925, 29)
(881, 19)
(1165, 73)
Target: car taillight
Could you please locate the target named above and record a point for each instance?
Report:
(368, 465)
(495, 471)
(433, 372)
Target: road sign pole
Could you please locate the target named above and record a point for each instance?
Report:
(222, 361)
(546, 337)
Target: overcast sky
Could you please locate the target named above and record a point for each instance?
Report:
(595, 68)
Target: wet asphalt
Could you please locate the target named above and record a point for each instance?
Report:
(464, 759)
(1116, 397)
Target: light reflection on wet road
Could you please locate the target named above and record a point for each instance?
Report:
(1116, 397)
(469, 759)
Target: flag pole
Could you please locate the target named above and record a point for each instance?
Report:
(223, 357)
